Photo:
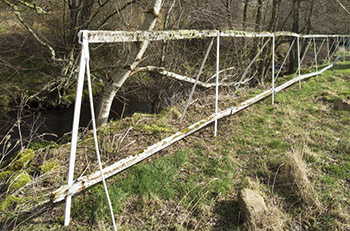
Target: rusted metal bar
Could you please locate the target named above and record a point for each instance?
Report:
(136, 36)
(127, 36)
(85, 182)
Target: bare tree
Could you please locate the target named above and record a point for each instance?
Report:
(118, 78)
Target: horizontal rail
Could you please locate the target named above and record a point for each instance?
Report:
(85, 182)
(137, 36)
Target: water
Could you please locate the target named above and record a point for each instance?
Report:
(51, 125)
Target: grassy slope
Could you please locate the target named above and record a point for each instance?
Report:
(194, 184)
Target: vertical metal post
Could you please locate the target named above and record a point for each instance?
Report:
(76, 118)
(315, 54)
(338, 44)
(94, 128)
(273, 69)
(299, 64)
(349, 44)
(328, 57)
(306, 49)
(344, 48)
(217, 84)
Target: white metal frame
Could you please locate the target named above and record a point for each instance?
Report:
(85, 37)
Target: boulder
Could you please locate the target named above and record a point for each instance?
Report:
(340, 104)
(253, 207)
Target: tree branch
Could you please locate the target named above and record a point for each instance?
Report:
(33, 6)
(118, 10)
(163, 72)
(30, 30)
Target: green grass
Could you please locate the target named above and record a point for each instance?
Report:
(252, 145)
(193, 185)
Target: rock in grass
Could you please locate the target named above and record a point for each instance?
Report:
(340, 104)
(252, 206)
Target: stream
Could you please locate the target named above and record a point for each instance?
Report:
(51, 125)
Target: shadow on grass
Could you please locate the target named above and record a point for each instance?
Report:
(228, 216)
(341, 66)
(17, 222)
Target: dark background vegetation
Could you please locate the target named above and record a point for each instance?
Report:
(39, 50)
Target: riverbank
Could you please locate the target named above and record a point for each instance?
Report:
(193, 185)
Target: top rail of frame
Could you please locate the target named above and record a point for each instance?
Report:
(99, 36)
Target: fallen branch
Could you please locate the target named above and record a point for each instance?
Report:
(163, 72)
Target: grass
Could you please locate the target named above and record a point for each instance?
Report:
(193, 185)
(255, 146)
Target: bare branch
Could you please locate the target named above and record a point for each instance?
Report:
(117, 11)
(33, 6)
(163, 72)
(30, 30)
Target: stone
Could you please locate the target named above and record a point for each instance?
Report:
(340, 104)
(252, 206)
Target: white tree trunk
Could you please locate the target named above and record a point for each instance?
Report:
(137, 52)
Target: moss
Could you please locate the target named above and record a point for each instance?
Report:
(19, 181)
(153, 128)
(68, 99)
(7, 202)
(4, 102)
(23, 159)
(49, 166)
(5, 174)
(172, 113)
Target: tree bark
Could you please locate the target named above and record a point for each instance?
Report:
(258, 16)
(137, 52)
(295, 28)
(274, 15)
(245, 14)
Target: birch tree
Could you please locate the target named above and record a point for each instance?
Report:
(119, 77)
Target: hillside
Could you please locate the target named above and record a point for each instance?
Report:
(295, 153)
